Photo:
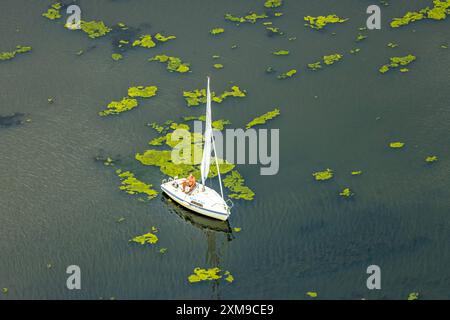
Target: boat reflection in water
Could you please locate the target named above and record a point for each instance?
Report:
(218, 234)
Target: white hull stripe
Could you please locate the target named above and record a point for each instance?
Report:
(202, 208)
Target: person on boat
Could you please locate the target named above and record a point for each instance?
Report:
(189, 182)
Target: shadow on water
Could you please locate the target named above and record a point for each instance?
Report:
(14, 119)
(213, 231)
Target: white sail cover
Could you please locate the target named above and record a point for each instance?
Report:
(206, 160)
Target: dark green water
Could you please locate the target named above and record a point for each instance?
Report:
(59, 206)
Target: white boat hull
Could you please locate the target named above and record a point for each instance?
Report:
(202, 200)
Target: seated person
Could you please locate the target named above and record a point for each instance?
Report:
(189, 182)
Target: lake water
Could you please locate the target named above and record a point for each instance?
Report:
(59, 206)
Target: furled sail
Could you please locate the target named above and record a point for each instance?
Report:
(206, 160)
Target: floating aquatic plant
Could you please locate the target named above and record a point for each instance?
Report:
(116, 56)
(263, 118)
(131, 185)
(228, 277)
(281, 53)
(143, 92)
(323, 175)
(11, 54)
(413, 296)
(287, 74)
(271, 30)
(439, 11)
(396, 145)
(315, 65)
(331, 59)
(148, 238)
(250, 18)
(360, 37)
(53, 12)
(392, 45)
(94, 29)
(431, 159)
(218, 66)
(197, 97)
(356, 173)
(163, 159)
(235, 183)
(354, 51)
(396, 62)
(312, 294)
(145, 41)
(204, 274)
(273, 3)
(236, 229)
(161, 38)
(201, 274)
(217, 31)
(320, 22)
(346, 193)
(5, 290)
(115, 107)
(174, 64)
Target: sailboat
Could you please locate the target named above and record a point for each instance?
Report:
(202, 199)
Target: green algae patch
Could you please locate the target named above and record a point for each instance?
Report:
(204, 275)
(321, 22)
(413, 296)
(210, 274)
(287, 74)
(263, 118)
(162, 38)
(228, 277)
(392, 45)
(116, 107)
(332, 59)
(53, 13)
(143, 92)
(116, 56)
(355, 51)
(218, 66)
(360, 37)
(439, 11)
(198, 96)
(431, 159)
(217, 31)
(312, 294)
(356, 173)
(346, 193)
(396, 62)
(281, 53)
(323, 175)
(251, 17)
(145, 41)
(8, 55)
(236, 229)
(235, 183)
(273, 3)
(315, 66)
(148, 238)
(5, 290)
(174, 64)
(396, 145)
(133, 186)
(94, 29)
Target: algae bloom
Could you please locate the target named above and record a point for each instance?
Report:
(131, 185)
(321, 22)
(174, 64)
(263, 118)
(323, 175)
(235, 183)
(148, 238)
